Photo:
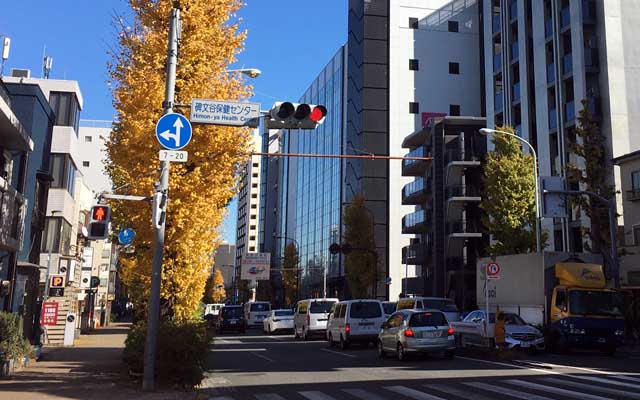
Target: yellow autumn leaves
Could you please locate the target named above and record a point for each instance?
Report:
(200, 189)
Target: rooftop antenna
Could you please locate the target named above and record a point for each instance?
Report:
(6, 44)
(47, 62)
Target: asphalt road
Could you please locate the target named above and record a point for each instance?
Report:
(256, 366)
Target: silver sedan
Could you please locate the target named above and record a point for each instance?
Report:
(416, 331)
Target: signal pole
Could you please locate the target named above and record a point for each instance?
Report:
(148, 381)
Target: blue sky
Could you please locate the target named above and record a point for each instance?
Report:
(289, 40)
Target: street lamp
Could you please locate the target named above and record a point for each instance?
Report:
(250, 72)
(487, 131)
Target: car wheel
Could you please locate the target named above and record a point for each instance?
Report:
(449, 354)
(381, 352)
(269, 330)
(402, 356)
(343, 343)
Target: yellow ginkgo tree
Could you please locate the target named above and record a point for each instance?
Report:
(199, 189)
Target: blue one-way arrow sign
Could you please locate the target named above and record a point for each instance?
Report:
(173, 131)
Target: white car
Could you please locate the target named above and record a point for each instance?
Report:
(278, 321)
(355, 321)
(311, 318)
(255, 312)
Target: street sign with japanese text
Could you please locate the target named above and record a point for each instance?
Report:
(173, 131)
(49, 313)
(217, 112)
(255, 266)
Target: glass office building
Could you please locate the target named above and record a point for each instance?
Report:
(309, 192)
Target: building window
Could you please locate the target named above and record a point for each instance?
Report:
(454, 110)
(414, 65)
(254, 185)
(255, 165)
(413, 23)
(65, 106)
(253, 216)
(255, 175)
(636, 235)
(252, 227)
(453, 26)
(254, 206)
(254, 196)
(454, 68)
(85, 163)
(252, 248)
(63, 172)
(252, 238)
(56, 236)
(414, 108)
(88, 139)
(635, 182)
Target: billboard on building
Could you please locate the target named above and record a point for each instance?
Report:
(255, 266)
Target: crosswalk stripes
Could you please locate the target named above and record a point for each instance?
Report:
(412, 393)
(363, 394)
(533, 388)
(626, 378)
(586, 386)
(506, 391)
(551, 389)
(457, 391)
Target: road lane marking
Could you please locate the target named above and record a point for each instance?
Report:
(555, 390)
(238, 350)
(584, 386)
(339, 353)
(269, 396)
(550, 365)
(414, 394)
(509, 392)
(363, 394)
(263, 357)
(456, 391)
(316, 396)
(607, 381)
(626, 378)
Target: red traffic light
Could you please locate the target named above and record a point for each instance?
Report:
(318, 113)
(99, 213)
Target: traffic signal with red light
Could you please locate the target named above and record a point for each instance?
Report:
(286, 115)
(99, 222)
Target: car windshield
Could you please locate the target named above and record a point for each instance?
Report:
(594, 302)
(445, 305)
(513, 319)
(365, 309)
(389, 308)
(320, 307)
(258, 307)
(427, 319)
(284, 313)
(232, 311)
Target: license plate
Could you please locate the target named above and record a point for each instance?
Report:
(321, 320)
(232, 322)
(365, 324)
(431, 334)
(525, 344)
(602, 340)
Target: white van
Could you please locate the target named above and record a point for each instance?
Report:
(444, 304)
(213, 309)
(311, 317)
(355, 321)
(255, 312)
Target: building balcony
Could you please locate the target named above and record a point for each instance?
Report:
(553, 119)
(569, 111)
(633, 195)
(548, 28)
(456, 163)
(12, 213)
(516, 92)
(462, 192)
(13, 136)
(461, 228)
(496, 24)
(415, 167)
(551, 73)
(497, 63)
(416, 222)
(565, 18)
(567, 64)
(416, 254)
(415, 192)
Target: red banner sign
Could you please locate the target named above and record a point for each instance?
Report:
(49, 314)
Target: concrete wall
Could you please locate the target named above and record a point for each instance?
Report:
(91, 146)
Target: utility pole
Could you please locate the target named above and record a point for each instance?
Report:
(162, 188)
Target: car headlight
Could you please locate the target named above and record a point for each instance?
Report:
(619, 332)
(577, 331)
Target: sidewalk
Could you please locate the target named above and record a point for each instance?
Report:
(92, 369)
